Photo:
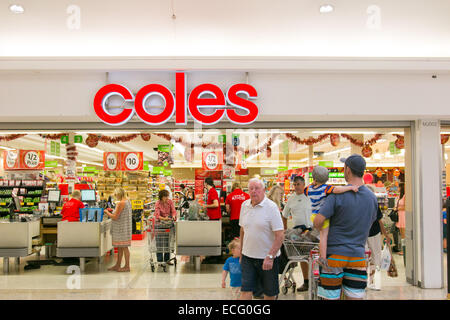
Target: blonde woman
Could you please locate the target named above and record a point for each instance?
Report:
(276, 195)
(121, 229)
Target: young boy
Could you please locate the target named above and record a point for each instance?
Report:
(317, 192)
(233, 266)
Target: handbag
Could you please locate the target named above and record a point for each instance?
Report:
(393, 215)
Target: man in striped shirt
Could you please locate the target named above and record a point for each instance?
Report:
(317, 193)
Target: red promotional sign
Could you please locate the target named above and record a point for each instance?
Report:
(111, 161)
(132, 161)
(32, 159)
(123, 161)
(24, 159)
(11, 160)
(179, 103)
(212, 161)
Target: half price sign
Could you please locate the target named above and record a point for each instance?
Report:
(24, 159)
(212, 161)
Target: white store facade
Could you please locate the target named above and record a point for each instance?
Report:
(48, 81)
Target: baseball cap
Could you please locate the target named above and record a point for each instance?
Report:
(355, 162)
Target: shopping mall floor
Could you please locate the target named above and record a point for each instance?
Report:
(184, 283)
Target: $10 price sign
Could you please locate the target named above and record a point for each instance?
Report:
(123, 161)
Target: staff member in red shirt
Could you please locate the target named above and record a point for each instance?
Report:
(212, 204)
(233, 204)
(71, 209)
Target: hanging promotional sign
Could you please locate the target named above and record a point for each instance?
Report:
(111, 161)
(24, 159)
(212, 161)
(123, 161)
(11, 160)
(179, 104)
(132, 161)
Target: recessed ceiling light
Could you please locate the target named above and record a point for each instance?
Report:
(16, 8)
(326, 8)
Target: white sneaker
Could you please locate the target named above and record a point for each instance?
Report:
(372, 287)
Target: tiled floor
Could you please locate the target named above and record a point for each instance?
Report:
(52, 282)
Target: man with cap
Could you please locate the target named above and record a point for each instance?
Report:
(351, 215)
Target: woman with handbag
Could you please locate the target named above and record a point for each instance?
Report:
(401, 224)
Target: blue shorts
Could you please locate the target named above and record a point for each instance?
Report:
(252, 274)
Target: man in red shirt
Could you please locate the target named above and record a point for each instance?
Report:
(71, 209)
(233, 204)
(212, 204)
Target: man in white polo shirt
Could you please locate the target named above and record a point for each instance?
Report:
(262, 234)
(298, 207)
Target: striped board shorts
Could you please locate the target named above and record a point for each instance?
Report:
(347, 273)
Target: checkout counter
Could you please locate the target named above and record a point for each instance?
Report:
(198, 238)
(16, 240)
(84, 240)
(90, 238)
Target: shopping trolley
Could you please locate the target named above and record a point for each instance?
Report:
(161, 240)
(296, 251)
(314, 272)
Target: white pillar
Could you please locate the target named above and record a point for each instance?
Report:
(428, 161)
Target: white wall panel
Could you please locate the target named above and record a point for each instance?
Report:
(68, 96)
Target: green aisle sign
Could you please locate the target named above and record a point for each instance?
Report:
(164, 147)
(78, 139)
(51, 164)
(89, 169)
(222, 138)
(157, 170)
(393, 149)
(326, 164)
(281, 169)
(64, 139)
(146, 167)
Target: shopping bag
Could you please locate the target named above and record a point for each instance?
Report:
(392, 272)
(385, 258)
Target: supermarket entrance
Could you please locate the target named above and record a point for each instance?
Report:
(168, 158)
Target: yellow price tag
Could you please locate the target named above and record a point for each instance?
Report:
(138, 226)
(3, 203)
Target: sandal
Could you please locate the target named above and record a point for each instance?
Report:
(114, 268)
(123, 270)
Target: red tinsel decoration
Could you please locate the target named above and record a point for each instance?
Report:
(334, 139)
(310, 141)
(124, 138)
(400, 142)
(11, 137)
(53, 136)
(360, 143)
(71, 151)
(92, 140)
(444, 138)
(145, 136)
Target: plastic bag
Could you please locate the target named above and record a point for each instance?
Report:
(385, 258)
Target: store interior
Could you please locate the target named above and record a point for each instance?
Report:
(166, 159)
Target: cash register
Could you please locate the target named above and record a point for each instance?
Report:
(54, 200)
(91, 213)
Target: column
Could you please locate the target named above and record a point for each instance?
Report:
(428, 162)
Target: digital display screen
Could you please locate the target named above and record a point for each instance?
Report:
(53, 195)
(88, 195)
